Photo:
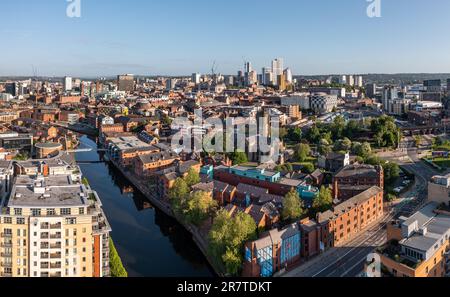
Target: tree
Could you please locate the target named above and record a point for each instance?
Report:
(337, 128)
(343, 145)
(303, 152)
(391, 172)
(238, 158)
(115, 263)
(295, 134)
(292, 206)
(232, 261)
(373, 160)
(192, 178)
(284, 168)
(198, 207)
(313, 135)
(324, 200)
(363, 150)
(324, 147)
(308, 168)
(230, 234)
(178, 194)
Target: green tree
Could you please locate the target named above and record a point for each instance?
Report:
(295, 134)
(293, 208)
(284, 168)
(238, 158)
(230, 234)
(324, 147)
(337, 128)
(324, 201)
(344, 145)
(362, 150)
(303, 152)
(313, 135)
(232, 261)
(391, 172)
(198, 207)
(115, 263)
(178, 194)
(192, 178)
(308, 168)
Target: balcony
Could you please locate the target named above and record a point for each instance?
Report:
(6, 265)
(55, 266)
(55, 256)
(44, 265)
(6, 235)
(44, 236)
(55, 246)
(55, 236)
(6, 255)
(57, 274)
(6, 244)
(6, 274)
(45, 226)
(55, 226)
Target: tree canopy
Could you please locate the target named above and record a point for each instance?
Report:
(324, 201)
(293, 208)
(228, 236)
(198, 207)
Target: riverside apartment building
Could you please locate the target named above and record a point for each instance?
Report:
(53, 226)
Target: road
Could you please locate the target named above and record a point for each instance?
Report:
(349, 261)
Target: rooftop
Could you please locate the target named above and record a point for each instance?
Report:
(358, 170)
(57, 191)
(349, 204)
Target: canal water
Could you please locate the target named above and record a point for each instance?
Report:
(149, 242)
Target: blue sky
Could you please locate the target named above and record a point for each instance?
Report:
(177, 37)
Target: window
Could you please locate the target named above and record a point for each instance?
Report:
(81, 210)
(35, 212)
(51, 212)
(18, 211)
(65, 211)
(20, 221)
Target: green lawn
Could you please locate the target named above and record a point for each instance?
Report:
(442, 162)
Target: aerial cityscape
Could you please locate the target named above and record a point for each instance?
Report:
(120, 157)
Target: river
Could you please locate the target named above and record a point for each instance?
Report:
(150, 243)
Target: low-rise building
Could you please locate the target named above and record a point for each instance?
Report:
(146, 165)
(439, 189)
(356, 178)
(418, 246)
(346, 220)
(273, 251)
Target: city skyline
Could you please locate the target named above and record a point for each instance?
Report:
(169, 39)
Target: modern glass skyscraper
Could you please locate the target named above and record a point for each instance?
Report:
(277, 70)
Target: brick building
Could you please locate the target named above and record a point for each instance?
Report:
(347, 219)
(355, 179)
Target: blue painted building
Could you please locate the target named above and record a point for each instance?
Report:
(208, 171)
(256, 173)
(272, 252)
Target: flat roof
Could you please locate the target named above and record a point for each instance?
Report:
(57, 191)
